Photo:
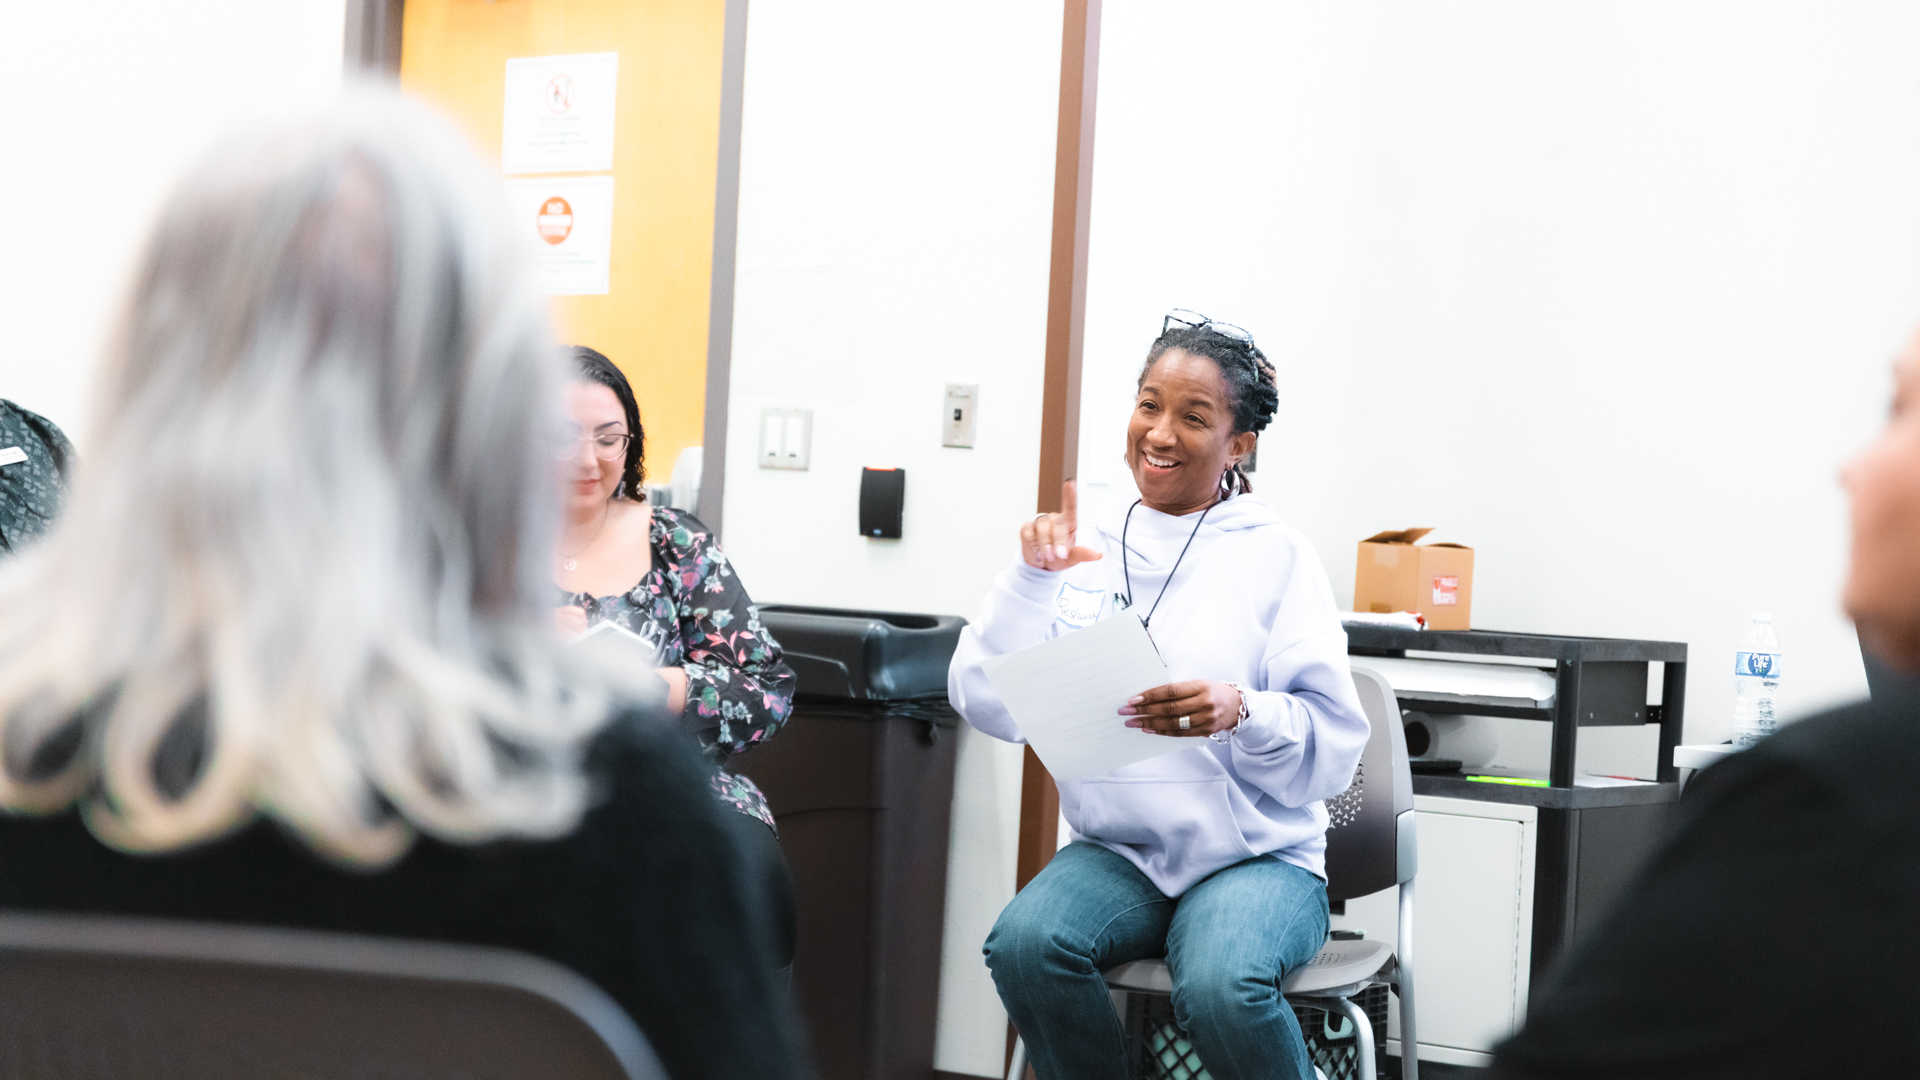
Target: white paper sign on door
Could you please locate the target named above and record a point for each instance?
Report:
(571, 219)
(559, 115)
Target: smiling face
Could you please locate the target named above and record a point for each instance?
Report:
(594, 411)
(1181, 437)
(1883, 583)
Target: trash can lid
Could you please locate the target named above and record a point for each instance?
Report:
(857, 655)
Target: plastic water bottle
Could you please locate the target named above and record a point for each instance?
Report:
(1756, 680)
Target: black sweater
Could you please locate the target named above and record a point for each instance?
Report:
(651, 898)
(1776, 933)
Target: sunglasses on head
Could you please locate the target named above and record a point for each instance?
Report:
(1193, 320)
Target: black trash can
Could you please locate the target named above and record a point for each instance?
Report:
(861, 785)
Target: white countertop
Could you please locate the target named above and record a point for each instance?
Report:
(1702, 755)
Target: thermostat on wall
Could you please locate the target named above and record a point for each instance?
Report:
(883, 495)
(956, 417)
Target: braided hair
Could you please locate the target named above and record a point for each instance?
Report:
(1251, 384)
(590, 365)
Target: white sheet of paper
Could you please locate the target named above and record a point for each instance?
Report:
(630, 659)
(559, 113)
(573, 218)
(617, 647)
(1465, 678)
(1066, 695)
(12, 455)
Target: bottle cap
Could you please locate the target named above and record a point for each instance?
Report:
(1761, 616)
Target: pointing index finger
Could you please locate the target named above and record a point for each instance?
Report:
(1070, 505)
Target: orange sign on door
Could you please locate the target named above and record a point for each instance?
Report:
(556, 220)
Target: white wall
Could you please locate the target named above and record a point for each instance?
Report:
(1607, 290)
(895, 207)
(108, 102)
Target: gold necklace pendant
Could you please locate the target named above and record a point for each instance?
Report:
(572, 563)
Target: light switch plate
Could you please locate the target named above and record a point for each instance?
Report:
(956, 421)
(786, 438)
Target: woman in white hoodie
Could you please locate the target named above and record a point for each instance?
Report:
(1213, 856)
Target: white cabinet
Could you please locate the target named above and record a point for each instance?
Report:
(1473, 926)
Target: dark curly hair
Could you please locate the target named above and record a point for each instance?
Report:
(591, 366)
(1250, 380)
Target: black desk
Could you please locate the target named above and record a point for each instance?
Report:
(1591, 840)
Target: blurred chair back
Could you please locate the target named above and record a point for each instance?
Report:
(1368, 841)
(108, 998)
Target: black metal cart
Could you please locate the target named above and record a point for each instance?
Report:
(1591, 840)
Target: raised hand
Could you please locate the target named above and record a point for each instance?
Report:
(1046, 542)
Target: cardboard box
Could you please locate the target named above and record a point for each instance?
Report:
(1396, 574)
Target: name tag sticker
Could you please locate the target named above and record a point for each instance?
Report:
(12, 455)
(1078, 607)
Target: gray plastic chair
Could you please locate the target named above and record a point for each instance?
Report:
(130, 999)
(1370, 847)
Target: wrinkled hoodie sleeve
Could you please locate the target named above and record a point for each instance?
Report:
(1018, 613)
(1305, 728)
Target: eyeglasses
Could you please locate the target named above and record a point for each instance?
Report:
(606, 447)
(1196, 321)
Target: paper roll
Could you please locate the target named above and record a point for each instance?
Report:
(1473, 741)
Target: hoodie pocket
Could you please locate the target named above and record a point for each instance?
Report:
(1191, 821)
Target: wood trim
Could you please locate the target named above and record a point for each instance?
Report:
(372, 45)
(1039, 839)
(1067, 275)
(1066, 326)
(726, 232)
(1039, 819)
(1060, 385)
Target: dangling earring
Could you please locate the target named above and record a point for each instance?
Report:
(1232, 481)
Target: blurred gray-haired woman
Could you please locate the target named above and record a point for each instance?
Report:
(299, 603)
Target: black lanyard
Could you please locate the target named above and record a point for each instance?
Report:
(1128, 574)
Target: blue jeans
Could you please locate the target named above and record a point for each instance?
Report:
(1228, 942)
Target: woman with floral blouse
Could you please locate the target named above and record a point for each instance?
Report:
(657, 572)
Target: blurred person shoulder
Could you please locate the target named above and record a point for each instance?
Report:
(651, 880)
(641, 754)
(1859, 761)
(641, 765)
(654, 879)
(1791, 874)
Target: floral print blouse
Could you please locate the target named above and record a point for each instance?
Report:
(32, 476)
(693, 610)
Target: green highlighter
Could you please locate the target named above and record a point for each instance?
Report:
(1517, 781)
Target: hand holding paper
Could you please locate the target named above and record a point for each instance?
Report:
(1065, 695)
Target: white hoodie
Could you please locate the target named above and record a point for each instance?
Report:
(1250, 604)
